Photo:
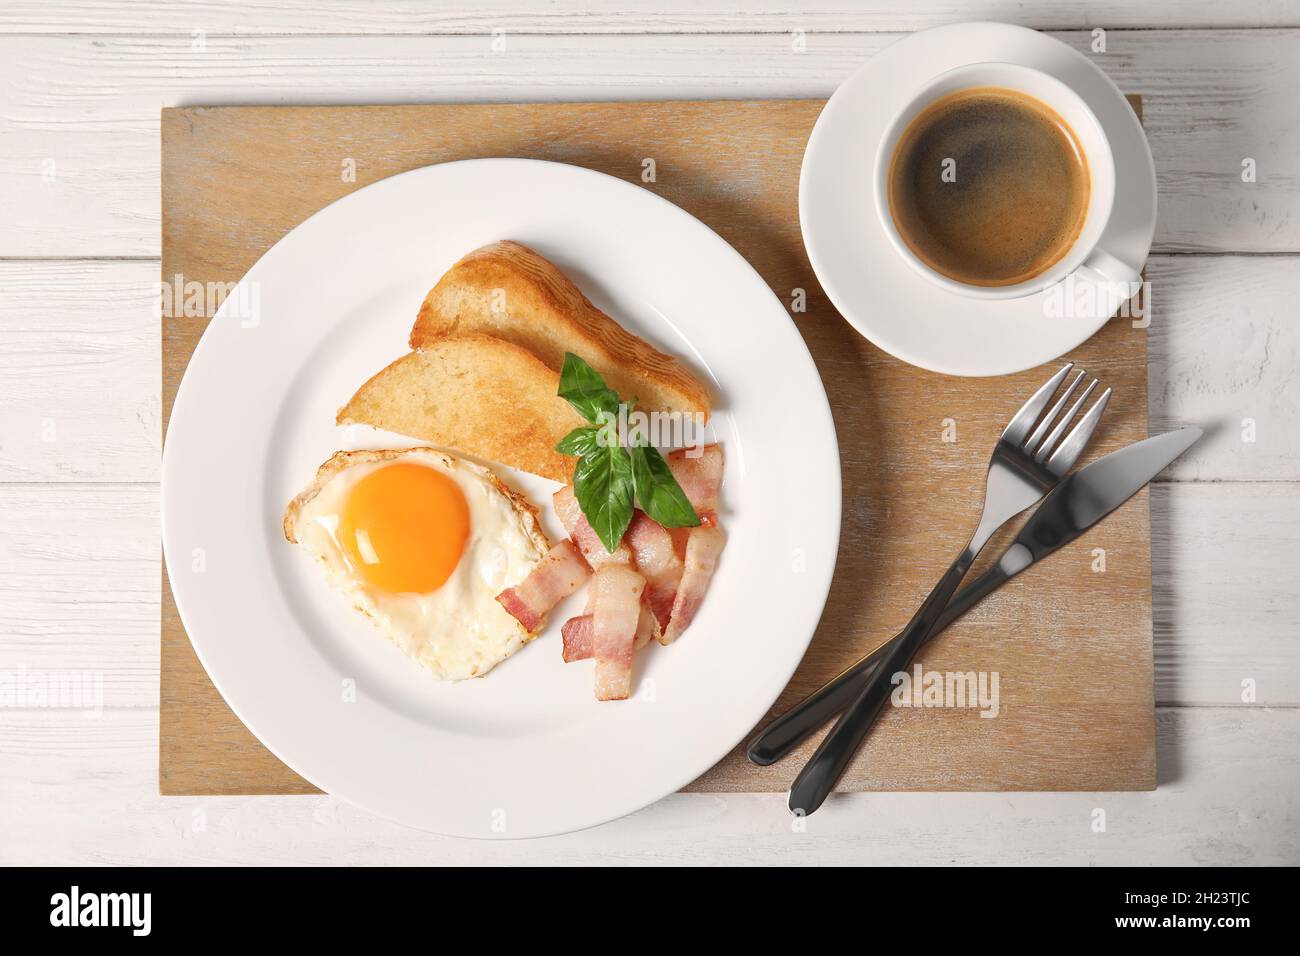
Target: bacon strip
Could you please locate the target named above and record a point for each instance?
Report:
(699, 476)
(560, 572)
(652, 585)
(583, 534)
(579, 634)
(657, 559)
(703, 546)
(617, 597)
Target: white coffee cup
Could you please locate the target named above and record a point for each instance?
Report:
(1086, 259)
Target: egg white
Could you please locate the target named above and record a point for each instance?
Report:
(459, 630)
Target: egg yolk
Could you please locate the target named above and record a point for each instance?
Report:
(404, 528)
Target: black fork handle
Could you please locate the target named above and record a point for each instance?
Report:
(785, 733)
(819, 776)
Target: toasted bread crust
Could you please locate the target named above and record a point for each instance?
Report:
(340, 461)
(507, 290)
(473, 393)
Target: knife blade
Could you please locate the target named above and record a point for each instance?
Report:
(1077, 503)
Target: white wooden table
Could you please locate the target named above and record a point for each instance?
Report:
(81, 85)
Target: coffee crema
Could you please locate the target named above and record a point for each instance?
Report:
(988, 186)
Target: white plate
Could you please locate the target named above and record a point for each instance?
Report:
(525, 751)
(864, 276)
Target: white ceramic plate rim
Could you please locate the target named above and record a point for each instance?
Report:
(275, 691)
(899, 311)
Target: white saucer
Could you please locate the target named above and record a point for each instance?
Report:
(870, 284)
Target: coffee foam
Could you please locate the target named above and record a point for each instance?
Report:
(989, 186)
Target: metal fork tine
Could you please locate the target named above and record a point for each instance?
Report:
(1050, 417)
(1049, 443)
(1018, 429)
(1017, 478)
(1063, 458)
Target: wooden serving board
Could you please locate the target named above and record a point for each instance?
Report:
(1071, 643)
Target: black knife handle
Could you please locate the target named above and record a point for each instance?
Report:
(827, 764)
(782, 735)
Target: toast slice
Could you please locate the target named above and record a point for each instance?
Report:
(472, 393)
(507, 290)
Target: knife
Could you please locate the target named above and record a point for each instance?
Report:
(1077, 503)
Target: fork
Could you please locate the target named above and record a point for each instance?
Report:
(1027, 462)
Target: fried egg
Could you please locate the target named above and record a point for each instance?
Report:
(422, 542)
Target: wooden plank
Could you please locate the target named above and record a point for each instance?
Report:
(1224, 346)
(89, 107)
(108, 17)
(1077, 684)
(79, 585)
(222, 757)
(1228, 795)
(79, 378)
(79, 566)
(1223, 569)
(1206, 825)
(79, 345)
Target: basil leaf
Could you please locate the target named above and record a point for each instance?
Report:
(660, 495)
(583, 388)
(602, 482)
(581, 441)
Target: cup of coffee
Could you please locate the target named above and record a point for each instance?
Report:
(997, 181)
